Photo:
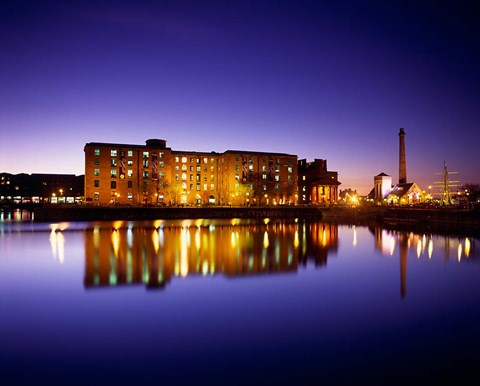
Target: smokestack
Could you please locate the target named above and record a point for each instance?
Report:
(402, 166)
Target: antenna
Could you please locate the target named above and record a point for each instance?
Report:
(446, 184)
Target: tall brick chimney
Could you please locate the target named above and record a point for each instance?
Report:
(402, 166)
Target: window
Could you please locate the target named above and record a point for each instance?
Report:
(212, 168)
(191, 168)
(113, 184)
(205, 160)
(145, 154)
(162, 164)
(191, 186)
(177, 159)
(264, 168)
(191, 160)
(191, 177)
(277, 186)
(96, 183)
(264, 187)
(114, 162)
(205, 178)
(290, 169)
(129, 162)
(113, 153)
(113, 173)
(177, 177)
(199, 168)
(96, 152)
(198, 160)
(177, 168)
(198, 186)
(96, 196)
(184, 168)
(96, 172)
(130, 184)
(277, 178)
(96, 161)
(303, 178)
(237, 176)
(198, 177)
(237, 167)
(250, 159)
(205, 187)
(264, 176)
(212, 187)
(161, 174)
(250, 167)
(145, 162)
(161, 154)
(145, 174)
(184, 176)
(184, 160)
(130, 153)
(129, 172)
(212, 177)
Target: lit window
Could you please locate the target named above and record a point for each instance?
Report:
(161, 154)
(250, 167)
(199, 168)
(145, 154)
(162, 164)
(264, 187)
(96, 152)
(198, 160)
(162, 174)
(191, 177)
(113, 173)
(212, 160)
(177, 177)
(264, 176)
(184, 160)
(205, 178)
(129, 172)
(96, 196)
(96, 172)
(205, 187)
(96, 183)
(205, 160)
(145, 174)
(277, 186)
(184, 176)
(114, 162)
(129, 162)
(290, 169)
(237, 167)
(198, 186)
(145, 162)
(237, 176)
(198, 177)
(264, 168)
(191, 186)
(212, 186)
(304, 188)
(130, 153)
(177, 159)
(303, 178)
(212, 168)
(177, 168)
(212, 177)
(113, 153)
(277, 178)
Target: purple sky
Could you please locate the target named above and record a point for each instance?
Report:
(333, 80)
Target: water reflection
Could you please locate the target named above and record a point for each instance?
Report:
(386, 242)
(154, 253)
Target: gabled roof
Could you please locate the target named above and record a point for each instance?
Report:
(382, 174)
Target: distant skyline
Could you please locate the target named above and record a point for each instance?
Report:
(319, 79)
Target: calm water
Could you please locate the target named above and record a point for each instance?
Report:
(236, 302)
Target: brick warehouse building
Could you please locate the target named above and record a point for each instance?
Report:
(154, 173)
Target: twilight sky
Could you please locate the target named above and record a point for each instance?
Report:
(320, 79)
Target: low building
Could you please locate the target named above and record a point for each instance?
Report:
(39, 188)
(405, 194)
(154, 174)
(317, 185)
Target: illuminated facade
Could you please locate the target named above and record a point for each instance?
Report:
(317, 185)
(155, 174)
